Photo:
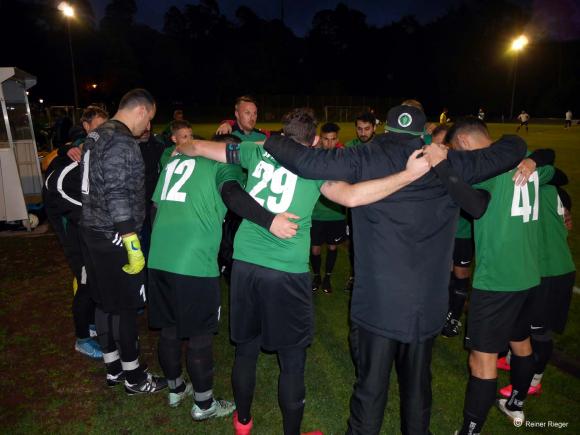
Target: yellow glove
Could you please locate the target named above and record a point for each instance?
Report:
(75, 285)
(134, 254)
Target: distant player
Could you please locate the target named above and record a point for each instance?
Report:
(568, 121)
(443, 118)
(506, 247)
(328, 222)
(524, 119)
(481, 114)
(271, 298)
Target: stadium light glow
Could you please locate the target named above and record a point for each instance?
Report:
(94, 86)
(519, 43)
(66, 9)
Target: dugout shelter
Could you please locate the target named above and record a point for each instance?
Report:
(20, 176)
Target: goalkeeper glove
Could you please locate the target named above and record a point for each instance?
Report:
(134, 254)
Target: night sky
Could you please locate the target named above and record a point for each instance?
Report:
(298, 13)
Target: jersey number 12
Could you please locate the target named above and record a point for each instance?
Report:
(183, 168)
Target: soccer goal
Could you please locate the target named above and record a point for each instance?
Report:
(343, 113)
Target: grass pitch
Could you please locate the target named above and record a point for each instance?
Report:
(49, 388)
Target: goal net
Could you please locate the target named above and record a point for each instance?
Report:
(343, 113)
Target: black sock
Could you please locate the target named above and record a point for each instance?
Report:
(200, 369)
(458, 297)
(330, 260)
(291, 388)
(479, 398)
(244, 378)
(169, 352)
(521, 376)
(542, 351)
(315, 261)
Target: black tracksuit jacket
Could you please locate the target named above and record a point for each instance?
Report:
(404, 243)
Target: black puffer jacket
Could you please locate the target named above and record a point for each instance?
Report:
(113, 181)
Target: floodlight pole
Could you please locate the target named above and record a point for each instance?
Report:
(514, 84)
(74, 74)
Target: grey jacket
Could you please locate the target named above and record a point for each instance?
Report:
(112, 181)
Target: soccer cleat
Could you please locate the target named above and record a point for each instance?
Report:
(315, 283)
(452, 327)
(515, 416)
(175, 399)
(502, 364)
(89, 347)
(349, 284)
(242, 429)
(218, 408)
(532, 391)
(114, 380)
(316, 432)
(326, 285)
(151, 384)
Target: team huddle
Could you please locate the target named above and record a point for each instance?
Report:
(154, 225)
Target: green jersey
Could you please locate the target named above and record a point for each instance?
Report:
(507, 235)
(188, 224)
(326, 210)
(278, 190)
(463, 229)
(166, 156)
(555, 256)
(254, 136)
(352, 143)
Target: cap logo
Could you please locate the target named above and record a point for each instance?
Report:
(405, 120)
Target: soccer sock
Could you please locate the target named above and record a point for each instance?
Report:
(479, 398)
(291, 389)
(129, 346)
(330, 260)
(200, 369)
(244, 378)
(111, 356)
(169, 351)
(521, 375)
(543, 346)
(458, 297)
(83, 309)
(315, 261)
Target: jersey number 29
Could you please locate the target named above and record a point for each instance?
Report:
(282, 182)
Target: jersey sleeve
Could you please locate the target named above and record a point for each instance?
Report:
(545, 174)
(225, 172)
(248, 153)
(486, 185)
(157, 193)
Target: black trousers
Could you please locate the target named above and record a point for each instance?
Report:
(375, 356)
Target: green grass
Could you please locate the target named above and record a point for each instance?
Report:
(48, 388)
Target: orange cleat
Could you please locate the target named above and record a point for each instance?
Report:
(502, 364)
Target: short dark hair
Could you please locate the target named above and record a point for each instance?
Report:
(178, 125)
(226, 138)
(469, 124)
(330, 127)
(300, 125)
(366, 117)
(413, 103)
(91, 112)
(137, 97)
(440, 129)
(245, 99)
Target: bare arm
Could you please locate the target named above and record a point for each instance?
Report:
(367, 192)
(204, 148)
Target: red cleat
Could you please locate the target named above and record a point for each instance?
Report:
(502, 364)
(242, 429)
(532, 391)
(316, 432)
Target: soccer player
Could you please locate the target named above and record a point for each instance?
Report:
(403, 251)
(551, 300)
(524, 119)
(481, 114)
(62, 201)
(181, 133)
(328, 222)
(506, 247)
(184, 297)
(443, 118)
(165, 136)
(246, 113)
(365, 127)
(271, 299)
(113, 198)
(568, 117)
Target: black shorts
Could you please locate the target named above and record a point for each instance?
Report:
(329, 232)
(274, 304)
(463, 252)
(111, 288)
(190, 303)
(497, 317)
(551, 303)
